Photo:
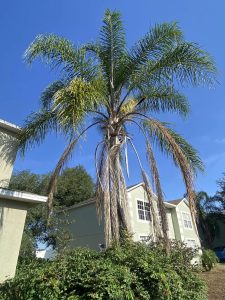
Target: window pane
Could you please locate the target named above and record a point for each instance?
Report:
(147, 215)
(141, 214)
(147, 206)
(187, 220)
(140, 204)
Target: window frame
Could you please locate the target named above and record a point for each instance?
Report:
(146, 239)
(144, 211)
(185, 220)
(192, 240)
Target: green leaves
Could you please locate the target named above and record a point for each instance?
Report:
(159, 39)
(130, 272)
(112, 44)
(37, 126)
(75, 100)
(162, 99)
(60, 54)
(49, 93)
(185, 63)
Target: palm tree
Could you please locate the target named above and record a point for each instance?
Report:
(209, 212)
(108, 86)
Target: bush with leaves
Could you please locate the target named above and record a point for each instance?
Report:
(130, 271)
(209, 259)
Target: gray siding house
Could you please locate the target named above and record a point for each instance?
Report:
(86, 231)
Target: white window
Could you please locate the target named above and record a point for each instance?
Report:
(187, 220)
(190, 243)
(143, 210)
(144, 239)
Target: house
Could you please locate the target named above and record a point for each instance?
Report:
(13, 204)
(86, 231)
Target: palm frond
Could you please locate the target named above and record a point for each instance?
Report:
(159, 38)
(112, 45)
(160, 198)
(37, 126)
(75, 100)
(60, 53)
(161, 99)
(157, 130)
(49, 93)
(169, 144)
(62, 161)
(186, 63)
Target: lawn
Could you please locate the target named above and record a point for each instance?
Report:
(216, 282)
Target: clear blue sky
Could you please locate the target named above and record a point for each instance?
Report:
(202, 21)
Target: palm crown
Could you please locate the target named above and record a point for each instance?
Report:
(113, 86)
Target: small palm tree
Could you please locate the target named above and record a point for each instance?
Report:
(111, 87)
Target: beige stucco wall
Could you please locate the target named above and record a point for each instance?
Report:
(8, 148)
(84, 227)
(12, 219)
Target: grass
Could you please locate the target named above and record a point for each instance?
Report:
(215, 280)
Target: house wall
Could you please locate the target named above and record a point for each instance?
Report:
(138, 227)
(186, 233)
(171, 233)
(8, 148)
(86, 231)
(83, 226)
(12, 219)
(142, 227)
(176, 226)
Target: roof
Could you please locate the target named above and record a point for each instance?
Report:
(134, 186)
(169, 204)
(9, 126)
(21, 196)
(79, 204)
(177, 201)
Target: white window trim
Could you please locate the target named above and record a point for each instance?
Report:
(146, 235)
(139, 220)
(190, 239)
(187, 228)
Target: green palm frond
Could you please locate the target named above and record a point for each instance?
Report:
(186, 64)
(48, 94)
(111, 47)
(37, 126)
(157, 41)
(162, 99)
(166, 139)
(60, 53)
(74, 101)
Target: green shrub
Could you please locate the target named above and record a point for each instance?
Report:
(209, 259)
(132, 271)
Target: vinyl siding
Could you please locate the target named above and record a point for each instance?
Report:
(139, 227)
(83, 226)
(186, 233)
